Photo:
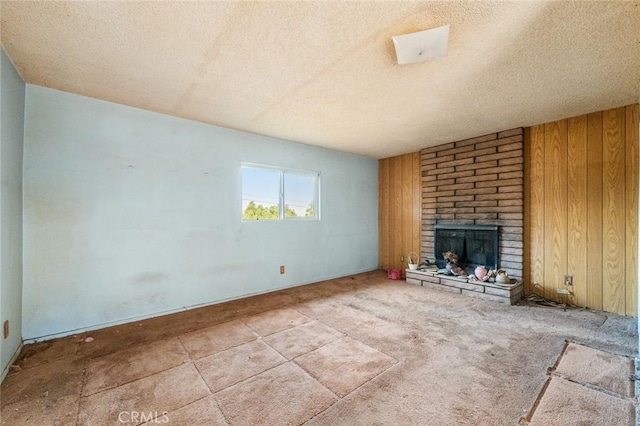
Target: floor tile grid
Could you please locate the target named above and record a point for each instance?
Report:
(591, 386)
(307, 341)
(303, 318)
(264, 372)
(338, 396)
(130, 360)
(77, 347)
(81, 389)
(191, 360)
(28, 368)
(557, 371)
(621, 365)
(169, 415)
(347, 335)
(395, 361)
(260, 337)
(240, 383)
(553, 373)
(344, 333)
(292, 361)
(384, 370)
(82, 397)
(557, 401)
(285, 394)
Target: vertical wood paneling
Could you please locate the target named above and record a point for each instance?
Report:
(395, 226)
(577, 207)
(383, 213)
(631, 157)
(613, 203)
(555, 211)
(536, 201)
(416, 203)
(594, 210)
(407, 200)
(399, 206)
(582, 208)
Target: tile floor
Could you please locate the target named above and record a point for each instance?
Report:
(210, 375)
(354, 350)
(587, 386)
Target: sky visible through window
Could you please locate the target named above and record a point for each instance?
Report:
(298, 192)
(262, 186)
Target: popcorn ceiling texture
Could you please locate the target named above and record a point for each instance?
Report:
(324, 73)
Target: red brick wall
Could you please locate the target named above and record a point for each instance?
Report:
(477, 181)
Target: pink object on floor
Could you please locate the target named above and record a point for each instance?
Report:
(394, 274)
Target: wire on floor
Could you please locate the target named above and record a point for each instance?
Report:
(540, 300)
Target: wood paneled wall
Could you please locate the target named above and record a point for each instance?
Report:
(582, 209)
(398, 209)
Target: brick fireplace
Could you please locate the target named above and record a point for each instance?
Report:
(476, 181)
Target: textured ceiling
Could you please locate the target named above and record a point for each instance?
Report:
(324, 73)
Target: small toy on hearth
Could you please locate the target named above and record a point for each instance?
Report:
(451, 258)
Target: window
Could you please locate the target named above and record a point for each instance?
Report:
(272, 193)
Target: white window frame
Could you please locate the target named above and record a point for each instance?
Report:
(281, 202)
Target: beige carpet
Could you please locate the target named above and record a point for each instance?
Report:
(283, 395)
(350, 351)
(568, 403)
(599, 368)
(587, 387)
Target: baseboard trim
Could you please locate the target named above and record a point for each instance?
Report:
(176, 310)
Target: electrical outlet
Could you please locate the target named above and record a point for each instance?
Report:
(281, 269)
(5, 329)
(401, 258)
(568, 280)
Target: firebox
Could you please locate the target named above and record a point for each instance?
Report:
(474, 244)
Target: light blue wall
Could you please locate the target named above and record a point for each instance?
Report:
(130, 213)
(12, 90)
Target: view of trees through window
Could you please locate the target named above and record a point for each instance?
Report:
(256, 212)
(265, 190)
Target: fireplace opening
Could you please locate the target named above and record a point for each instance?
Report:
(474, 244)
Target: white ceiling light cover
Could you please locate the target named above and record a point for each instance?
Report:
(422, 46)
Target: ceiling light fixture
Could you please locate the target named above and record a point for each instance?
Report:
(422, 46)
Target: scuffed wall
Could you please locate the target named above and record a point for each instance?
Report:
(132, 214)
(12, 131)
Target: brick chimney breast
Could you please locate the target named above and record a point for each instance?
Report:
(477, 181)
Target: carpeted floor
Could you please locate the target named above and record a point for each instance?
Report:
(355, 350)
(588, 386)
